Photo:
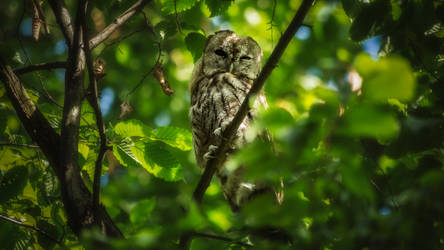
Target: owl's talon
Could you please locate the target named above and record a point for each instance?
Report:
(211, 152)
(218, 132)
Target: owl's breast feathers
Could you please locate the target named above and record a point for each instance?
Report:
(215, 101)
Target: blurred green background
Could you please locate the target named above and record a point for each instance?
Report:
(356, 113)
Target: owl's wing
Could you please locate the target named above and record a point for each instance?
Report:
(195, 79)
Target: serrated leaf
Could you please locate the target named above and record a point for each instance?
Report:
(47, 189)
(157, 160)
(13, 183)
(122, 151)
(132, 128)
(171, 6)
(217, 7)
(195, 43)
(175, 137)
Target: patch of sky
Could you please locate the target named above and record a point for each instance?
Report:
(106, 100)
(162, 119)
(303, 33)
(372, 46)
(60, 47)
(26, 27)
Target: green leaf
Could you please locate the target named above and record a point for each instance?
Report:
(51, 230)
(175, 137)
(362, 24)
(13, 183)
(171, 6)
(217, 7)
(195, 43)
(389, 77)
(47, 189)
(122, 151)
(351, 7)
(370, 121)
(166, 28)
(141, 212)
(132, 128)
(157, 160)
(10, 235)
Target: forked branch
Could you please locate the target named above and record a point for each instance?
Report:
(214, 163)
(125, 16)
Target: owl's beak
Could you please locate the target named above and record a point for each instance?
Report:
(230, 67)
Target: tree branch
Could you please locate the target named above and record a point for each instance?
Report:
(47, 235)
(187, 237)
(40, 66)
(125, 16)
(38, 128)
(214, 163)
(63, 18)
(93, 99)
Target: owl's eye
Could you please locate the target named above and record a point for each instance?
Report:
(245, 58)
(220, 52)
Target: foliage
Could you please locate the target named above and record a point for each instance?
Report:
(358, 135)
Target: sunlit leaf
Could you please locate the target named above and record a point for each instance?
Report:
(132, 128)
(175, 137)
(387, 78)
(217, 7)
(173, 6)
(122, 151)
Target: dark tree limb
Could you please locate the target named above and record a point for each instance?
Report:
(187, 237)
(227, 135)
(63, 18)
(125, 16)
(40, 66)
(38, 230)
(93, 99)
(32, 119)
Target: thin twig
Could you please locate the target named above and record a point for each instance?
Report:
(272, 20)
(47, 235)
(214, 163)
(179, 27)
(187, 237)
(125, 16)
(40, 66)
(28, 59)
(19, 145)
(95, 104)
(147, 73)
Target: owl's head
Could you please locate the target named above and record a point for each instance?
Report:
(225, 51)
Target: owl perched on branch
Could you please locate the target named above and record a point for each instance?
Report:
(221, 79)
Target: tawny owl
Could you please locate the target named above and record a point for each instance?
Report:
(221, 79)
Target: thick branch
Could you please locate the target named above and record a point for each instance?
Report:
(213, 164)
(40, 66)
(93, 99)
(47, 235)
(63, 18)
(32, 119)
(125, 16)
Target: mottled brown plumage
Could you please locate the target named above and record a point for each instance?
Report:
(221, 80)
